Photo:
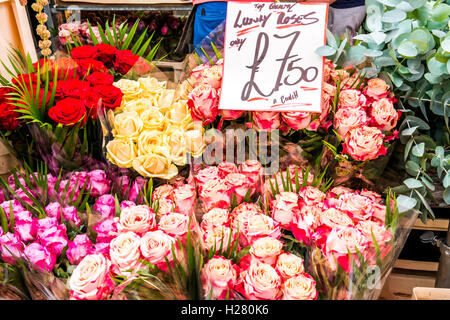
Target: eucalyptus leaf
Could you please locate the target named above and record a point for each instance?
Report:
(405, 203)
(419, 149)
(326, 51)
(413, 183)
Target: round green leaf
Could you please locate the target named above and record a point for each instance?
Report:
(416, 3)
(446, 196)
(440, 12)
(436, 67)
(393, 16)
(408, 49)
(414, 121)
(413, 183)
(412, 168)
(325, 51)
(418, 150)
(446, 45)
(446, 181)
(405, 203)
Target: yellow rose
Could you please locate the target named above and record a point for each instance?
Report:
(130, 89)
(179, 113)
(148, 140)
(165, 99)
(138, 105)
(121, 152)
(151, 86)
(155, 165)
(153, 119)
(176, 141)
(183, 90)
(127, 125)
(195, 141)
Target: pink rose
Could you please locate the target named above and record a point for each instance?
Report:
(78, 248)
(364, 143)
(106, 230)
(11, 247)
(238, 185)
(328, 220)
(40, 257)
(136, 187)
(78, 179)
(125, 253)
(266, 250)
(70, 213)
(203, 103)
(99, 183)
(218, 237)
(379, 212)
(352, 98)
(164, 191)
(260, 225)
(54, 239)
(43, 224)
(215, 194)
(138, 219)
(311, 196)
(184, 198)
(289, 265)
(124, 182)
(383, 114)
(100, 248)
(218, 276)
(91, 279)
(337, 191)
(340, 242)
(346, 119)
(296, 120)
(377, 88)
(54, 210)
(301, 287)
(284, 207)
(226, 168)
(156, 246)
(252, 169)
(175, 225)
(215, 218)
(372, 195)
(266, 120)
(204, 175)
(62, 194)
(359, 207)
(106, 206)
(16, 206)
(165, 206)
(126, 204)
(25, 226)
(261, 282)
(212, 76)
(64, 37)
(231, 114)
(304, 222)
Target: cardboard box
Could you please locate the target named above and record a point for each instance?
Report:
(422, 293)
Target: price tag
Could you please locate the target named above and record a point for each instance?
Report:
(269, 58)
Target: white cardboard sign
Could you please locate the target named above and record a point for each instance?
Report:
(269, 58)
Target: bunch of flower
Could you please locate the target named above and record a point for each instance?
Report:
(8, 114)
(41, 30)
(72, 31)
(364, 115)
(153, 130)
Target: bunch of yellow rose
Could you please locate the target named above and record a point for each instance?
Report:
(153, 129)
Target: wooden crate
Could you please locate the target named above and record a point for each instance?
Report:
(421, 293)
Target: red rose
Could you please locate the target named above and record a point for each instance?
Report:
(4, 91)
(68, 111)
(125, 60)
(25, 80)
(86, 66)
(100, 78)
(71, 88)
(106, 54)
(83, 52)
(8, 117)
(111, 96)
(90, 99)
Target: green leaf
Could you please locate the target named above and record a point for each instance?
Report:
(409, 131)
(446, 196)
(413, 183)
(408, 148)
(425, 203)
(4, 221)
(325, 51)
(446, 181)
(393, 16)
(405, 203)
(408, 49)
(419, 149)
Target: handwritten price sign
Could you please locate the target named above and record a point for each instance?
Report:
(269, 58)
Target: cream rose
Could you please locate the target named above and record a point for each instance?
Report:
(218, 237)
(91, 280)
(262, 226)
(130, 89)
(153, 119)
(179, 113)
(138, 219)
(164, 191)
(155, 165)
(148, 140)
(175, 224)
(217, 276)
(125, 253)
(151, 86)
(301, 287)
(383, 114)
(138, 105)
(266, 250)
(284, 207)
(195, 141)
(312, 196)
(289, 265)
(212, 76)
(155, 246)
(364, 143)
(165, 99)
(261, 282)
(165, 206)
(121, 152)
(127, 125)
(214, 218)
(176, 141)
